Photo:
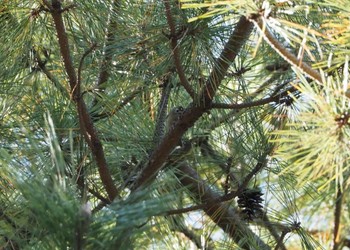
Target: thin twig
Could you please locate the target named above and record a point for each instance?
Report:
(94, 45)
(279, 87)
(258, 167)
(107, 59)
(119, 106)
(280, 240)
(179, 226)
(176, 50)
(260, 102)
(337, 215)
(99, 196)
(50, 76)
(274, 228)
(207, 150)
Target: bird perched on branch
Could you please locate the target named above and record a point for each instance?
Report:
(173, 116)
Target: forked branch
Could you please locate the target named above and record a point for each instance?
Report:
(195, 110)
(85, 122)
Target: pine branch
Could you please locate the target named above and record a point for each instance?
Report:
(207, 150)
(50, 76)
(119, 106)
(229, 195)
(107, 51)
(176, 50)
(231, 49)
(286, 229)
(179, 226)
(194, 112)
(273, 98)
(86, 53)
(258, 167)
(221, 214)
(273, 229)
(337, 215)
(107, 59)
(260, 23)
(85, 121)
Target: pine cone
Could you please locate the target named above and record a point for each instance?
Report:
(250, 202)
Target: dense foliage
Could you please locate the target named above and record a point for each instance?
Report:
(174, 124)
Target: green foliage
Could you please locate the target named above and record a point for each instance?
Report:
(317, 137)
(78, 166)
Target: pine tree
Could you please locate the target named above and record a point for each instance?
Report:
(256, 159)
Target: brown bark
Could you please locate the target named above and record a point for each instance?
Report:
(196, 110)
(86, 126)
(224, 216)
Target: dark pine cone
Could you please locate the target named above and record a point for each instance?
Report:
(250, 202)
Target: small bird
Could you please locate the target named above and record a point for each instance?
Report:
(173, 116)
